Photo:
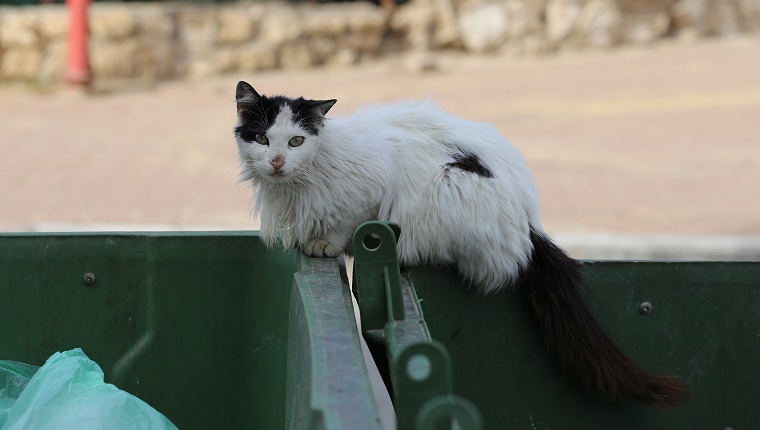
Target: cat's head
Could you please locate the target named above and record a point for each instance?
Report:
(277, 137)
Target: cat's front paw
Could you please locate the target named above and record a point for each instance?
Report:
(322, 248)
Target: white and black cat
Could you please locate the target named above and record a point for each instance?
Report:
(460, 193)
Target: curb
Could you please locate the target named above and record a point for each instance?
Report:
(595, 246)
(659, 247)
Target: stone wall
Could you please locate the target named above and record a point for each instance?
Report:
(538, 26)
(154, 41)
(159, 41)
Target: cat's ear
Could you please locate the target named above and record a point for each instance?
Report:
(323, 106)
(245, 95)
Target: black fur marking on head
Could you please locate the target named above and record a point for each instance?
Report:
(469, 162)
(310, 114)
(258, 113)
(258, 116)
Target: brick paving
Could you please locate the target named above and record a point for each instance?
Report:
(655, 140)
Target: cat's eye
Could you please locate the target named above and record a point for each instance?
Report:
(262, 139)
(295, 141)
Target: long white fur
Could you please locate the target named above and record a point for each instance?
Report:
(389, 163)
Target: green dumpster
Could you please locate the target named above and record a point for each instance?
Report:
(452, 354)
(212, 329)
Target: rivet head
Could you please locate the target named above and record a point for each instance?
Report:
(89, 279)
(645, 308)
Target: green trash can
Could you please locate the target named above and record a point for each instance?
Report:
(485, 362)
(213, 330)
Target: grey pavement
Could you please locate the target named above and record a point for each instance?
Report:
(661, 140)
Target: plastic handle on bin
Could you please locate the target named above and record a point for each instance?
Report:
(423, 389)
(448, 408)
(377, 275)
(391, 315)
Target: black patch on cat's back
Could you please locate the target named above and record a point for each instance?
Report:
(469, 162)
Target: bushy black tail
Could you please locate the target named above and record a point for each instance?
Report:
(551, 283)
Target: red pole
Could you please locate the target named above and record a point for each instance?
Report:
(78, 70)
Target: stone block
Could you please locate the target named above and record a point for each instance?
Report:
(750, 11)
(414, 22)
(329, 20)
(366, 27)
(256, 11)
(412, 15)
(362, 42)
(645, 7)
(523, 18)
(226, 60)
(114, 59)
(201, 68)
(446, 27)
(343, 57)
(156, 21)
(21, 63)
(712, 17)
(157, 58)
(364, 17)
(197, 30)
(53, 65)
(483, 28)
(19, 29)
(112, 22)
(599, 24)
(561, 17)
(235, 26)
(322, 48)
(724, 18)
(256, 56)
(281, 24)
(689, 16)
(296, 55)
(645, 28)
(54, 23)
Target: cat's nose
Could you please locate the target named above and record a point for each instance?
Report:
(277, 163)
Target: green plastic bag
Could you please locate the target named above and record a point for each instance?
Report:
(69, 392)
(14, 377)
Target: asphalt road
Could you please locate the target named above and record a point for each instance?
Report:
(642, 140)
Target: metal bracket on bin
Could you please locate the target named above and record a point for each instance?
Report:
(391, 315)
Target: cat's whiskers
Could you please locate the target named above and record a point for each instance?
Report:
(243, 112)
(262, 114)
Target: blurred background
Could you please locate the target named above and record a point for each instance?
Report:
(640, 119)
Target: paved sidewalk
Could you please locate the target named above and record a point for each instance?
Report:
(637, 141)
